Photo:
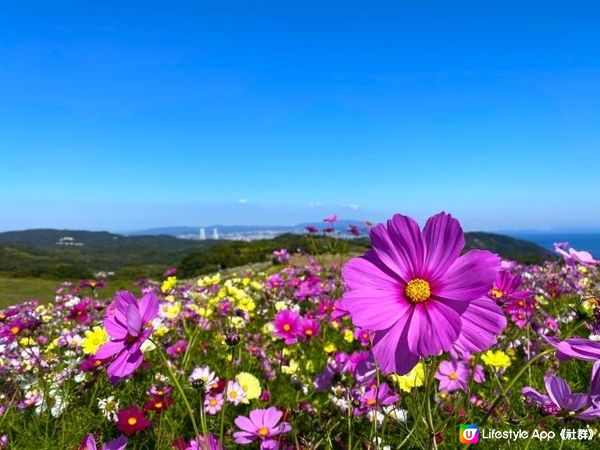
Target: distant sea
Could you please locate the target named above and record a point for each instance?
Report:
(589, 241)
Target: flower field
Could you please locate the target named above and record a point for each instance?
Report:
(396, 348)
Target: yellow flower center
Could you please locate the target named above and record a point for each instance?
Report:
(417, 290)
(132, 421)
(263, 431)
(15, 330)
(371, 401)
(158, 405)
(213, 402)
(453, 376)
(233, 394)
(308, 332)
(497, 293)
(286, 327)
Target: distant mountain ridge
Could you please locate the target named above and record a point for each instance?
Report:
(340, 225)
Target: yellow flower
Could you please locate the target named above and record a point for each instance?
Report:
(236, 322)
(52, 345)
(280, 305)
(168, 284)
(348, 335)
(250, 385)
(246, 304)
(210, 281)
(412, 379)
(291, 368)
(329, 347)
(26, 341)
(170, 311)
(93, 340)
(161, 331)
(496, 359)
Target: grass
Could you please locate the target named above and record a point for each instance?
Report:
(17, 290)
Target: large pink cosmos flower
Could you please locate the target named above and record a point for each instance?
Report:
(127, 322)
(419, 295)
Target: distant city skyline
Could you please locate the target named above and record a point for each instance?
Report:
(125, 116)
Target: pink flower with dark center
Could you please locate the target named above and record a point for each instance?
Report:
(261, 424)
(309, 328)
(419, 296)
(79, 312)
(287, 326)
(128, 325)
(92, 284)
(177, 349)
(132, 420)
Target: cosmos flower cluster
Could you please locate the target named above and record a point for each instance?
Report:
(332, 352)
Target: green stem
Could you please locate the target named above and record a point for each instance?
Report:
(512, 382)
(349, 406)
(179, 388)
(429, 376)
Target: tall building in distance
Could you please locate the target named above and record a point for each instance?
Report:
(215, 234)
(202, 234)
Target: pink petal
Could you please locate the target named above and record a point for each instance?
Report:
(373, 309)
(243, 437)
(390, 347)
(399, 246)
(245, 424)
(114, 328)
(134, 320)
(482, 321)
(471, 276)
(369, 272)
(125, 364)
(109, 349)
(148, 307)
(271, 416)
(444, 240)
(433, 328)
(122, 300)
(558, 390)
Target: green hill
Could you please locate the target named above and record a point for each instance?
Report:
(72, 254)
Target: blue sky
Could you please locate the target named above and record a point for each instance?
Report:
(121, 115)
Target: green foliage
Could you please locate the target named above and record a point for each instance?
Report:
(34, 253)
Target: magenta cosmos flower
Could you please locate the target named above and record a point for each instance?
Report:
(419, 295)
(287, 325)
(127, 322)
(262, 424)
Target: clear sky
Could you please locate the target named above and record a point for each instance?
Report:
(121, 115)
